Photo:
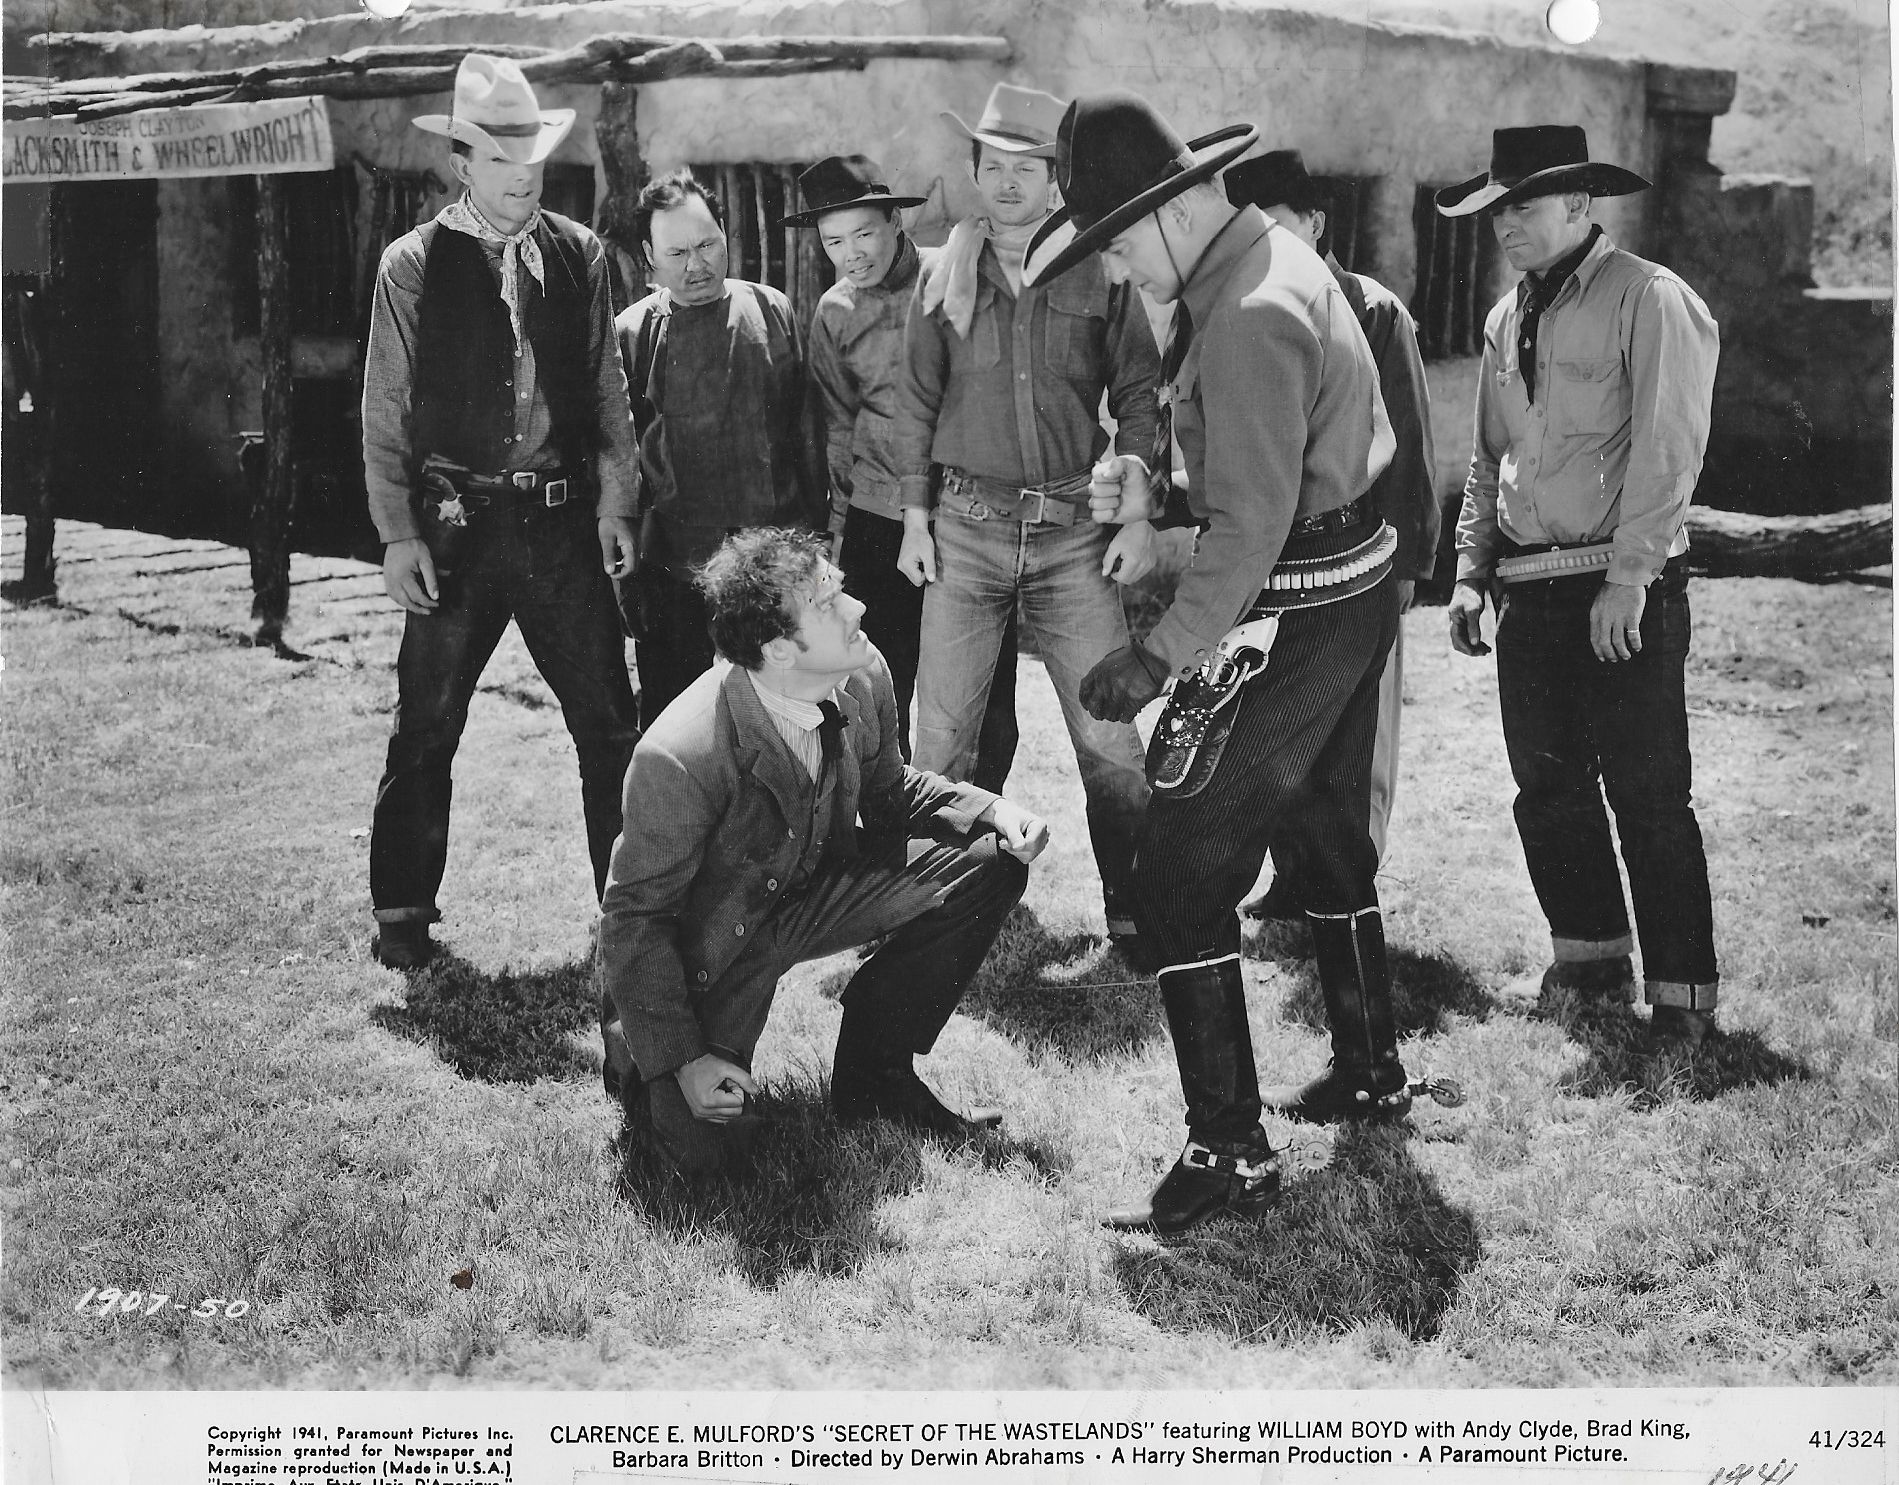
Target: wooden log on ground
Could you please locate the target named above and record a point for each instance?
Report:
(1725, 543)
(275, 498)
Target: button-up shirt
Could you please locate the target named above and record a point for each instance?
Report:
(1612, 446)
(1277, 413)
(1406, 493)
(856, 362)
(389, 384)
(1018, 400)
(727, 438)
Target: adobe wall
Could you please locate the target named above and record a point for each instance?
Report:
(1358, 99)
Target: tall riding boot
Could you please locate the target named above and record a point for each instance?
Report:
(1227, 1167)
(1365, 1079)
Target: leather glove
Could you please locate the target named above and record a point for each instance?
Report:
(1122, 683)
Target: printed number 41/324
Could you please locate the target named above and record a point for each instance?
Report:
(113, 1301)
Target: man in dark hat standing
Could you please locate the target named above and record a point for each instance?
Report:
(1405, 495)
(1277, 635)
(854, 355)
(1592, 419)
(1003, 387)
(498, 456)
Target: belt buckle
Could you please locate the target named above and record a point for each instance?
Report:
(522, 479)
(1041, 505)
(555, 492)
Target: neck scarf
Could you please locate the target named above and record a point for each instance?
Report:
(952, 279)
(465, 216)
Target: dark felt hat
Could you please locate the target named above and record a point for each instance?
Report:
(1116, 160)
(1541, 160)
(840, 182)
(1273, 179)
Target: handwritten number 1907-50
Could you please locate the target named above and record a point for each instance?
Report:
(113, 1301)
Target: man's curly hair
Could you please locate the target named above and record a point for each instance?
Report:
(752, 585)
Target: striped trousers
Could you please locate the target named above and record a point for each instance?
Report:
(1297, 766)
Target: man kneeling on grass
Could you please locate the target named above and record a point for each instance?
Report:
(742, 856)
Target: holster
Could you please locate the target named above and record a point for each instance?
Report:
(1193, 730)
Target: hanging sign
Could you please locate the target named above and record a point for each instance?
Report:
(272, 137)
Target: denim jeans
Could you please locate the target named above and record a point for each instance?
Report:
(983, 566)
(893, 618)
(1576, 728)
(542, 569)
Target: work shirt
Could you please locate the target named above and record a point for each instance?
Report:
(1406, 493)
(856, 362)
(727, 438)
(1018, 399)
(1612, 446)
(1277, 413)
(389, 383)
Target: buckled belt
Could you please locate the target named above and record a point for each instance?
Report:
(552, 485)
(1339, 518)
(1302, 582)
(1054, 504)
(1526, 564)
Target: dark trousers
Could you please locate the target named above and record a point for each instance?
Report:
(1576, 728)
(1296, 766)
(894, 621)
(676, 648)
(542, 569)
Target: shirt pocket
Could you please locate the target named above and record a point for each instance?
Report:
(1076, 326)
(1589, 396)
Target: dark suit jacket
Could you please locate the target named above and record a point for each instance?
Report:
(716, 810)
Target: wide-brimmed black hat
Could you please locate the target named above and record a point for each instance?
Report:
(1541, 160)
(840, 182)
(1117, 159)
(1275, 178)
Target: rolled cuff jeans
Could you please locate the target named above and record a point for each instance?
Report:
(984, 565)
(1576, 729)
(542, 569)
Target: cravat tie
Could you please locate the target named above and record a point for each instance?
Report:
(1161, 466)
(830, 731)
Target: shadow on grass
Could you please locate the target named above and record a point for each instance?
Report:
(506, 1027)
(804, 1196)
(1425, 988)
(1069, 993)
(1625, 1058)
(1368, 1239)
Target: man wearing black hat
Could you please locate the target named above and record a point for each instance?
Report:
(1277, 635)
(1592, 419)
(1405, 495)
(854, 355)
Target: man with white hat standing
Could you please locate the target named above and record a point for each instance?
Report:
(1002, 392)
(1277, 635)
(1593, 405)
(498, 455)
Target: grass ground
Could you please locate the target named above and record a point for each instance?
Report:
(212, 1093)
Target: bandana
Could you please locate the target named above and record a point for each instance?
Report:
(465, 216)
(952, 279)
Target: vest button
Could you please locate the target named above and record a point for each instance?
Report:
(771, 884)
(740, 930)
(701, 977)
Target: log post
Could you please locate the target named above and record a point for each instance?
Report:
(616, 129)
(28, 418)
(272, 501)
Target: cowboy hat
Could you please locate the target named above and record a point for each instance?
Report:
(1117, 160)
(1541, 160)
(1276, 178)
(839, 182)
(495, 109)
(1019, 121)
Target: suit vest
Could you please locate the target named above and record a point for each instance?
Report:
(463, 405)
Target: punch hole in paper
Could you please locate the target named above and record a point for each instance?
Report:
(1574, 21)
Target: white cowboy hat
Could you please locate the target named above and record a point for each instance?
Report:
(495, 109)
